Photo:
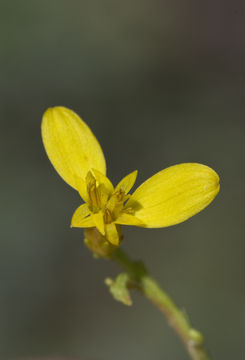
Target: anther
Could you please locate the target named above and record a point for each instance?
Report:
(93, 195)
(120, 195)
(107, 216)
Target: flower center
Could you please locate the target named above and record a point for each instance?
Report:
(111, 203)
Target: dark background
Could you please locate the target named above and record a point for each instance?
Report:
(159, 83)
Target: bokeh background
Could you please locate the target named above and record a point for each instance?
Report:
(159, 82)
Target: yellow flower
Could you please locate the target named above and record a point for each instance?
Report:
(167, 198)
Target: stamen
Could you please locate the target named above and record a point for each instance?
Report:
(120, 195)
(107, 216)
(92, 191)
(93, 195)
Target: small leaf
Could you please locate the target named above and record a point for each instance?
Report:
(119, 290)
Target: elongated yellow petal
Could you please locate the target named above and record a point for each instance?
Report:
(112, 234)
(127, 182)
(175, 194)
(102, 179)
(70, 145)
(80, 217)
(81, 187)
(99, 221)
(127, 219)
(103, 195)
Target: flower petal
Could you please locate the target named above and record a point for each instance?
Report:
(70, 145)
(102, 179)
(81, 187)
(80, 217)
(103, 195)
(112, 234)
(127, 182)
(127, 219)
(98, 219)
(175, 194)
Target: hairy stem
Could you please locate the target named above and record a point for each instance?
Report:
(138, 278)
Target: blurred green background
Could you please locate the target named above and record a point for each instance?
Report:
(159, 83)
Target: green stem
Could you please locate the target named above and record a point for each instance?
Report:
(139, 278)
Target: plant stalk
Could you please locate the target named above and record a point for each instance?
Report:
(139, 279)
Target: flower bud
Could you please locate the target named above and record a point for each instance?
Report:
(98, 243)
